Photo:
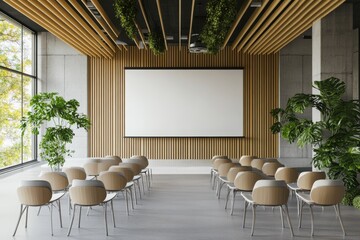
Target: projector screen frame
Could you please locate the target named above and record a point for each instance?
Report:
(184, 68)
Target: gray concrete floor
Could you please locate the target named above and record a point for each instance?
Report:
(177, 207)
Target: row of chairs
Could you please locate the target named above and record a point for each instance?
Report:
(97, 183)
(267, 182)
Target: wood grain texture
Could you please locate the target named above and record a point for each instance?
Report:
(106, 106)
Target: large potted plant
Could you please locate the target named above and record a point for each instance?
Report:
(61, 116)
(336, 137)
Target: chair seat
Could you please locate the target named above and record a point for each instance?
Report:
(109, 197)
(305, 196)
(129, 184)
(293, 186)
(224, 179)
(56, 196)
(247, 196)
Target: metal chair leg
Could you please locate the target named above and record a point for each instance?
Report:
(27, 216)
(51, 219)
(340, 220)
(72, 220)
(20, 215)
(312, 220)
(38, 213)
(80, 217)
(253, 220)
(300, 212)
(245, 208)
(282, 217)
(288, 219)
(227, 197)
(105, 216)
(59, 207)
(127, 202)
(233, 201)
(112, 211)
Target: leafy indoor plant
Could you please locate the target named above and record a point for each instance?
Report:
(156, 42)
(220, 14)
(336, 137)
(61, 115)
(125, 11)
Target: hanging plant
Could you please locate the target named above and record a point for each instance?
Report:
(125, 11)
(156, 42)
(220, 14)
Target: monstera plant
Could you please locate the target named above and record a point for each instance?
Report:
(61, 116)
(336, 137)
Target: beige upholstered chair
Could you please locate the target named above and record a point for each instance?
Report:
(136, 168)
(222, 175)
(269, 168)
(246, 160)
(59, 184)
(324, 192)
(214, 176)
(36, 193)
(212, 170)
(305, 182)
(116, 159)
(258, 163)
(231, 178)
(115, 182)
(75, 173)
(144, 163)
(243, 182)
(268, 193)
(90, 193)
(289, 175)
(91, 167)
(129, 175)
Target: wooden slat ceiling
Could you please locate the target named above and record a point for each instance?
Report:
(262, 30)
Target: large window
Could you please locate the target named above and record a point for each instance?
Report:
(17, 85)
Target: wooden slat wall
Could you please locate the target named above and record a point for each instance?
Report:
(106, 103)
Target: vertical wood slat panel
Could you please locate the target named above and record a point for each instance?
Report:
(107, 99)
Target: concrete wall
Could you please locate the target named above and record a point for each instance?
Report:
(295, 77)
(63, 69)
(333, 48)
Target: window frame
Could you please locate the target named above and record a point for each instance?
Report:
(34, 81)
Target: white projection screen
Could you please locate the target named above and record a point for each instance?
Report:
(184, 102)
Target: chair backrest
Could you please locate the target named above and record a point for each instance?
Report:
(220, 161)
(34, 192)
(307, 179)
(234, 171)
(289, 175)
(116, 159)
(87, 192)
(269, 168)
(225, 167)
(91, 167)
(113, 181)
(246, 160)
(270, 192)
(125, 171)
(57, 180)
(136, 168)
(327, 192)
(75, 173)
(246, 180)
(142, 160)
(258, 163)
(218, 156)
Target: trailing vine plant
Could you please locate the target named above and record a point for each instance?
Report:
(125, 11)
(336, 137)
(156, 42)
(220, 14)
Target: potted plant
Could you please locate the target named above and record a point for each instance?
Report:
(336, 137)
(220, 14)
(61, 116)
